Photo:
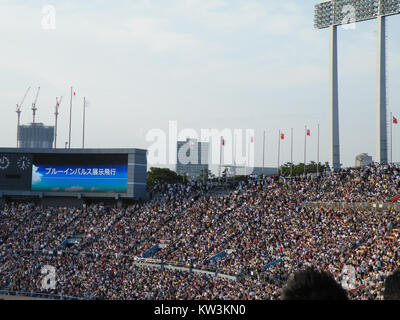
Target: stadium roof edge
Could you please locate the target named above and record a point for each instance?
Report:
(74, 151)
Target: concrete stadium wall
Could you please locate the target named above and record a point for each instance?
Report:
(184, 269)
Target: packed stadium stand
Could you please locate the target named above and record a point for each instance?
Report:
(191, 243)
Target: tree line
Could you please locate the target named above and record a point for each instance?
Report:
(165, 175)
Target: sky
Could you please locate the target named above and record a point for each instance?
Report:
(236, 64)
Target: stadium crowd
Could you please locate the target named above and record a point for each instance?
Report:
(263, 226)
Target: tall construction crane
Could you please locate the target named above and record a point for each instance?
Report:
(19, 106)
(58, 103)
(34, 104)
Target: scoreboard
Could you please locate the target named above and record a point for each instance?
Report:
(74, 173)
(15, 171)
(71, 172)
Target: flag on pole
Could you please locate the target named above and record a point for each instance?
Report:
(282, 136)
(223, 142)
(251, 139)
(58, 102)
(308, 132)
(395, 120)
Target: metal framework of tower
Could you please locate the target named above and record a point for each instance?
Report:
(19, 107)
(331, 14)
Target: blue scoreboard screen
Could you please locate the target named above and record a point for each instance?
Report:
(101, 173)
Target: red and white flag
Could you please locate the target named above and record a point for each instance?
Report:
(223, 141)
(308, 132)
(395, 120)
(282, 136)
(251, 139)
(58, 102)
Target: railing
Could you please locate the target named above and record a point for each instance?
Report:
(150, 252)
(354, 205)
(219, 256)
(273, 263)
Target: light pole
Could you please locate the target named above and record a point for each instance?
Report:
(331, 14)
(291, 152)
(318, 152)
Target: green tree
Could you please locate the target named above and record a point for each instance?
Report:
(205, 175)
(298, 169)
(162, 175)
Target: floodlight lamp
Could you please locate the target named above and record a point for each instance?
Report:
(332, 12)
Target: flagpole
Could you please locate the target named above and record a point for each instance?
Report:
(318, 153)
(84, 112)
(55, 125)
(234, 151)
(220, 157)
(279, 149)
(248, 156)
(391, 138)
(263, 154)
(70, 121)
(305, 148)
(55, 132)
(291, 152)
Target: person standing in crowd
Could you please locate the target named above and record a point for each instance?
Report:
(310, 284)
(392, 286)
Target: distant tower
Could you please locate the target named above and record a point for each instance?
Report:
(363, 160)
(192, 158)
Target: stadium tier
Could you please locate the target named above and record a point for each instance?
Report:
(192, 243)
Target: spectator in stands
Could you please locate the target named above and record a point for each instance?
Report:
(310, 284)
(268, 228)
(392, 286)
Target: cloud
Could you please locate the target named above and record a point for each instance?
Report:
(74, 189)
(36, 176)
(269, 17)
(155, 36)
(240, 63)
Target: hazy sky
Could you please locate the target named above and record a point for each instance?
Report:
(204, 63)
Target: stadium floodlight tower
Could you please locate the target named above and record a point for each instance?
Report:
(331, 14)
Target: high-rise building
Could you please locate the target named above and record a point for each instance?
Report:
(35, 135)
(192, 158)
(363, 160)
